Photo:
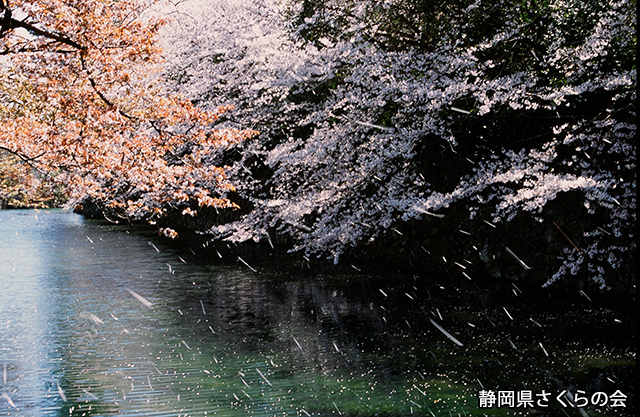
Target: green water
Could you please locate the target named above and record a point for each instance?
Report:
(95, 320)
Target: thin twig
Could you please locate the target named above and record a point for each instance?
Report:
(565, 235)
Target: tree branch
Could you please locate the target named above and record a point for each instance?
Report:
(28, 159)
(9, 23)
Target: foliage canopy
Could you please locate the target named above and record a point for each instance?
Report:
(78, 99)
(376, 115)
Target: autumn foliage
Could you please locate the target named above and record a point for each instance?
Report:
(80, 104)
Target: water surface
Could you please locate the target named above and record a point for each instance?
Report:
(95, 320)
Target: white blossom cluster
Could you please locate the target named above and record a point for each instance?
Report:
(342, 123)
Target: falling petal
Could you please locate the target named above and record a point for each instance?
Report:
(543, 349)
(421, 210)
(415, 403)
(95, 319)
(140, 298)
(64, 397)
(383, 128)
(446, 333)
(6, 397)
(460, 110)
(300, 347)
(585, 295)
(264, 377)
(92, 396)
(510, 252)
(248, 266)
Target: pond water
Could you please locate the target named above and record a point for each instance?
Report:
(95, 320)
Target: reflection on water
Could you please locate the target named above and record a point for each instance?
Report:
(97, 321)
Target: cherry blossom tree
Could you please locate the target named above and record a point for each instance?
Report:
(80, 103)
(372, 128)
